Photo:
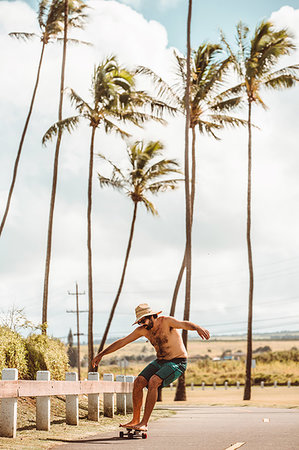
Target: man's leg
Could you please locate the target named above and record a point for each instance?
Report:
(139, 383)
(151, 399)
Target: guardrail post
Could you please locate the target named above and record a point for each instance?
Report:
(262, 384)
(71, 402)
(289, 383)
(238, 384)
(108, 398)
(275, 384)
(225, 385)
(93, 399)
(203, 385)
(214, 385)
(192, 386)
(120, 398)
(129, 396)
(43, 404)
(8, 425)
(171, 386)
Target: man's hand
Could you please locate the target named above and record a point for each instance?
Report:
(203, 333)
(96, 360)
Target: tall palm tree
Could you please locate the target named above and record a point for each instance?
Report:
(210, 108)
(181, 386)
(73, 13)
(145, 175)
(255, 62)
(50, 19)
(114, 98)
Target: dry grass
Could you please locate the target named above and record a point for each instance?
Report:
(280, 397)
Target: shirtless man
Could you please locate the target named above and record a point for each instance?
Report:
(171, 362)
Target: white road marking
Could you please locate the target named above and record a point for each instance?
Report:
(235, 446)
(266, 420)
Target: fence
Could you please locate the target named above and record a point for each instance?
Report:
(43, 388)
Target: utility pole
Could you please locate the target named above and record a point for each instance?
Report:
(78, 334)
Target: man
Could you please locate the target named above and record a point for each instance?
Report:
(171, 362)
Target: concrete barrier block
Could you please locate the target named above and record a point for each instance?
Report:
(129, 396)
(93, 399)
(71, 402)
(8, 418)
(43, 404)
(120, 398)
(108, 398)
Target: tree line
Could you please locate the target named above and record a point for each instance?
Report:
(201, 94)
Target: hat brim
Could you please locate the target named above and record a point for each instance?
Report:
(144, 315)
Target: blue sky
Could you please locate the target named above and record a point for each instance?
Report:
(208, 17)
(144, 35)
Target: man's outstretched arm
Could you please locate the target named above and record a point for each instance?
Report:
(187, 325)
(136, 334)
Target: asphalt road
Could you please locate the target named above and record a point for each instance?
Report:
(209, 428)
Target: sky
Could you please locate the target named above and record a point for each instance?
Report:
(147, 33)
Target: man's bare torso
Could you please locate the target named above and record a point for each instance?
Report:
(166, 340)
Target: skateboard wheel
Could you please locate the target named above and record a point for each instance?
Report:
(130, 436)
(144, 436)
(121, 434)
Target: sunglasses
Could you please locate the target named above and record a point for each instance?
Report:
(142, 321)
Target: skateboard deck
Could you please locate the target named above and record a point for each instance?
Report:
(130, 433)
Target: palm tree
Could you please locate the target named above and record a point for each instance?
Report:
(209, 109)
(181, 386)
(114, 98)
(50, 19)
(255, 62)
(144, 175)
(73, 14)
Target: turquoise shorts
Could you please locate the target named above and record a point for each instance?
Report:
(167, 370)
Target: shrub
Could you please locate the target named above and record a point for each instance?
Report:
(45, 353)
(13, 351)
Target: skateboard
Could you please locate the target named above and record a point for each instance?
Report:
(131, 433)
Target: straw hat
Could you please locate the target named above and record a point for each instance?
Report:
(143, 310)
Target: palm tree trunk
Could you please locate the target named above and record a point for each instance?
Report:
(54, 179)
(22, 141)
(90, 287)
(247, 389)
(181, 386)
(121, 280)
(183, 265)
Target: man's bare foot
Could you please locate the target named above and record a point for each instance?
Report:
(140, 427)
(129, 424)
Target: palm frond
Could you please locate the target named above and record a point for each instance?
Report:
(108, 182)
(164, 185)
(115, 168)
(75, 42)
(149, 205)
(68, 124)
(227, 105)
(42, 10)
(110, 126)
(281, 82)
(23, 36)
(225, 120)
(163, 89)
(78, 102)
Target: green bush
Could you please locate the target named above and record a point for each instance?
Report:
(13, 352)
(283, 356)
(45, 353)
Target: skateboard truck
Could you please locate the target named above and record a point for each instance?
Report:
(131, 433)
